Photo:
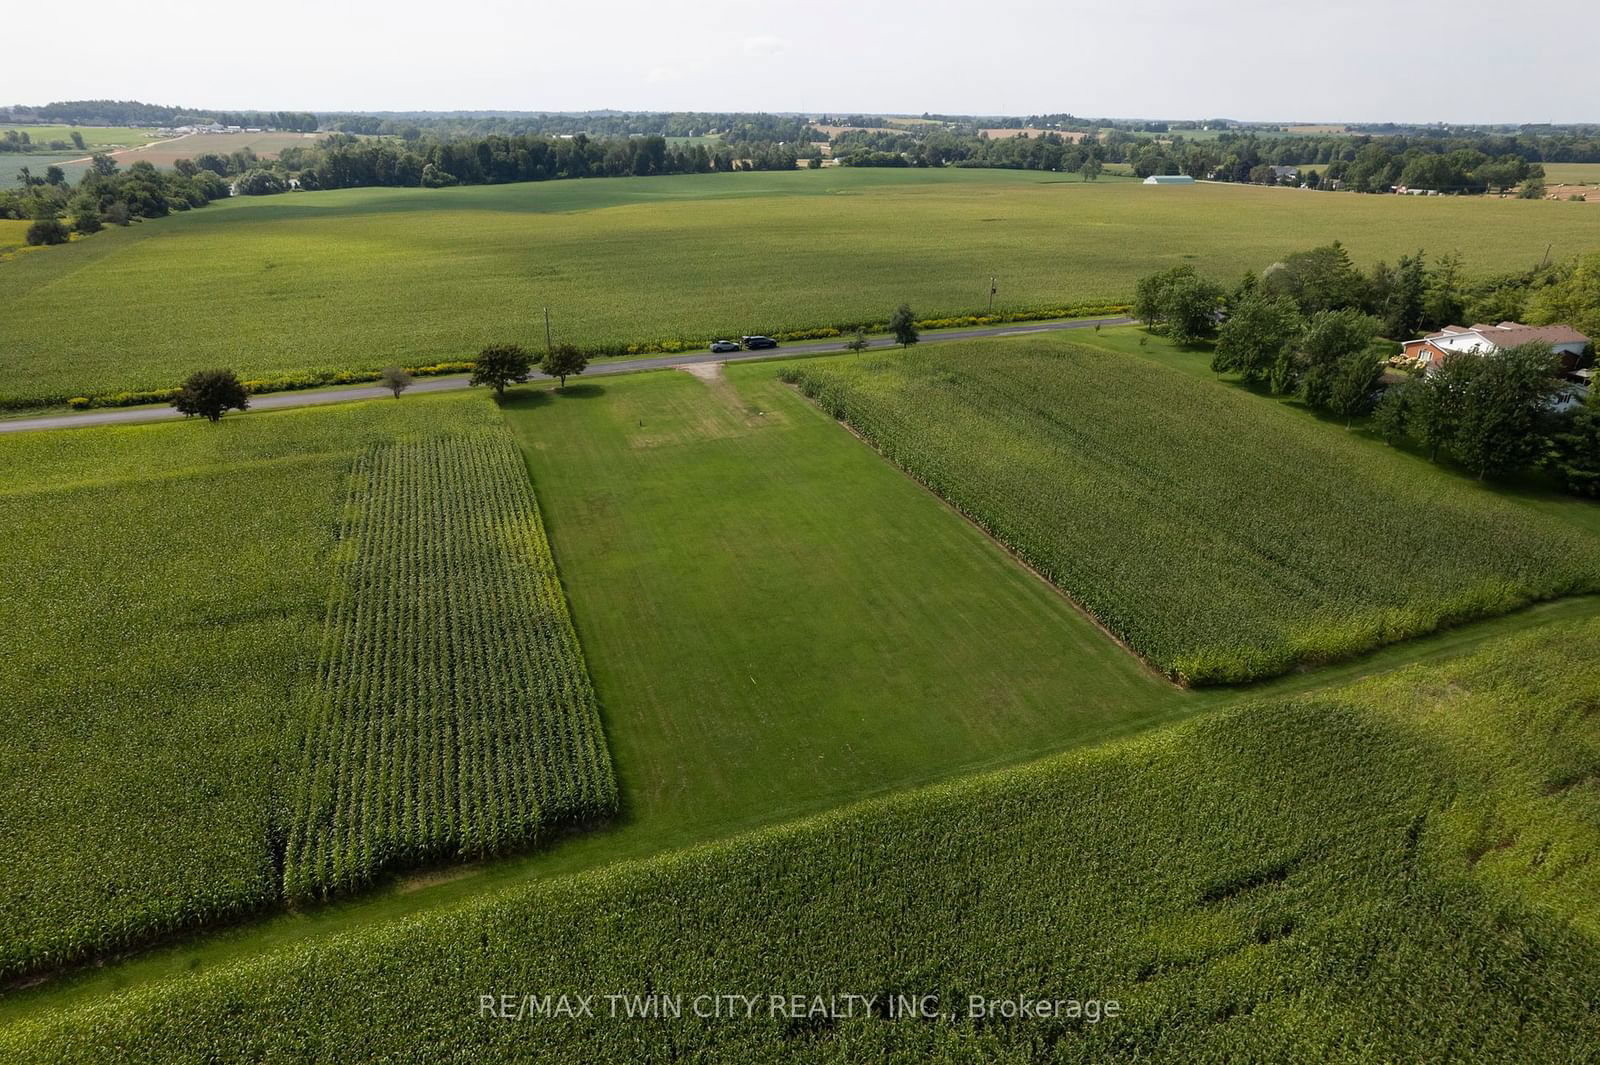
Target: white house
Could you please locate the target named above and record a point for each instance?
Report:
(1430, 351)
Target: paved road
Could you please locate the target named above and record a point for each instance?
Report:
(313, 397)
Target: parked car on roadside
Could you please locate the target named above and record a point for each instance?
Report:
(757, 343)
(720, 346)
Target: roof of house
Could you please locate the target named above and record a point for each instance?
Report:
(1510, 334)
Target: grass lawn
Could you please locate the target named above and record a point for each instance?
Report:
(360, 278)
(776, 620)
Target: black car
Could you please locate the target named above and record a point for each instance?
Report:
(720, 346)
(757, 343)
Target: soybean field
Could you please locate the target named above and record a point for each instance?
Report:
(1401, 869)
(1225, 539)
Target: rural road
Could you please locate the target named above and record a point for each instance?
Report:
(315, 396)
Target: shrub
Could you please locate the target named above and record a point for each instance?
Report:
(48, 231)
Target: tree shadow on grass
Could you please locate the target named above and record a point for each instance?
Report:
(579, 391)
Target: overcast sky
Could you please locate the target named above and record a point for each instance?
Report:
(1337, 60)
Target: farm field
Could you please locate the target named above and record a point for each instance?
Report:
(184, 709)
(11, 164)
(452, 716)
(361, 278)
(1143, 493)
(1399, 869)
(1572, 173)
(752, 588)
(95, 138)
(265, 144)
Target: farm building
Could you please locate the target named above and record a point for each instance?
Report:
(1429, 352)
(1169, 179)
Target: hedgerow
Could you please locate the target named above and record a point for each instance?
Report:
(1401, 870)
(453, 715)
(1225, 539)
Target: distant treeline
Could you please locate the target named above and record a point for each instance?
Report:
(343, 161)
(339, 161)
(1461, 164)
(730, 127)
(1048, 151)
(134, 113)
(1469, 163)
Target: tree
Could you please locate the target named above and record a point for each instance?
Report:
(500, 365)
(903, 324)
(1573, 300)
(48, 231)
(563, 361)
(86, 214)
(1501, 397)
(1358, 375)
(858, 342)
(118, 214)
(1150, 293)
(1433, 407)
(54, 175)
(1391, 417)
(1330, 338)
(210, 393)
(77, 140)
(1397, 296)
(260, 183)
(395, 379)
(1322, 279)
(1573, 456)
(1255, 336)
(102, 164)
(1189, 309)
(1443, 304)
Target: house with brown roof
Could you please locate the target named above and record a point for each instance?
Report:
(1429, 352)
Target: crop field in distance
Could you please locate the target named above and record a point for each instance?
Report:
(95, 138)
(1141, 492)
(360, 278)
(209, 666)
(1382, 836)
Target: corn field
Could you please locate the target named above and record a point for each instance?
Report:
(1398, 870)
(452, 715)
(1222, 536)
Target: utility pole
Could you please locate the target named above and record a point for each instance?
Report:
(991, 293)
(547, 347)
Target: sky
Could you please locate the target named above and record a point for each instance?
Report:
(1335, 61)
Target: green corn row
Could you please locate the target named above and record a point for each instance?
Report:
(452, 716)
(1222, 536)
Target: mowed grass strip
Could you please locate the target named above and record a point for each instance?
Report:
(1399, 870)
(1224, 537)
(362, 278)
(777, 621)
